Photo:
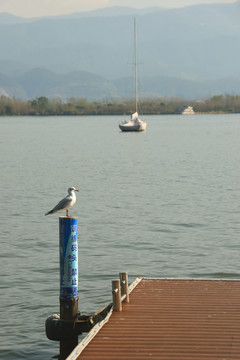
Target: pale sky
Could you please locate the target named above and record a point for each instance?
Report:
(36, 8)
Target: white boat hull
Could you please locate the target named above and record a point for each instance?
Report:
(135, 124)
(132, 127)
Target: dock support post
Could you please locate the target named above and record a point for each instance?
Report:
(68, 247)
(124, 285)
(116, 294)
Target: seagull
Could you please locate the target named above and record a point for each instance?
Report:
(66, 202)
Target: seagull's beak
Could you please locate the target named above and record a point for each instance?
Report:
(76, 190)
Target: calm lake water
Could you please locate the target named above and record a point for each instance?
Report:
(164, 203)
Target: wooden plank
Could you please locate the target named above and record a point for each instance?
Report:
(172, 320)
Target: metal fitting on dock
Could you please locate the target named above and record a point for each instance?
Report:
(62, 330)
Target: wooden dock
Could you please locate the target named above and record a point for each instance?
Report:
(169, 319)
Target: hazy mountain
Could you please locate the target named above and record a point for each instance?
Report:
(175, 87)
(113, 11)
(10, 87)
(189, 46)
(42, 82)
(6, 18)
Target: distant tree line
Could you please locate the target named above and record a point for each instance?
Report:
(44, 106)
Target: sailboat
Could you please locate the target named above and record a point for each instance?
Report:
(135, 123)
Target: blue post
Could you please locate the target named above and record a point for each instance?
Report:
(68, 247)
(68, 237)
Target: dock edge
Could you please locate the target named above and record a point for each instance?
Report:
(92, 333)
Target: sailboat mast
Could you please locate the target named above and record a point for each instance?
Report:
(135, 63)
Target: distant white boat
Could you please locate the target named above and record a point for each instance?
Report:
(186, 110)
(135, 124)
